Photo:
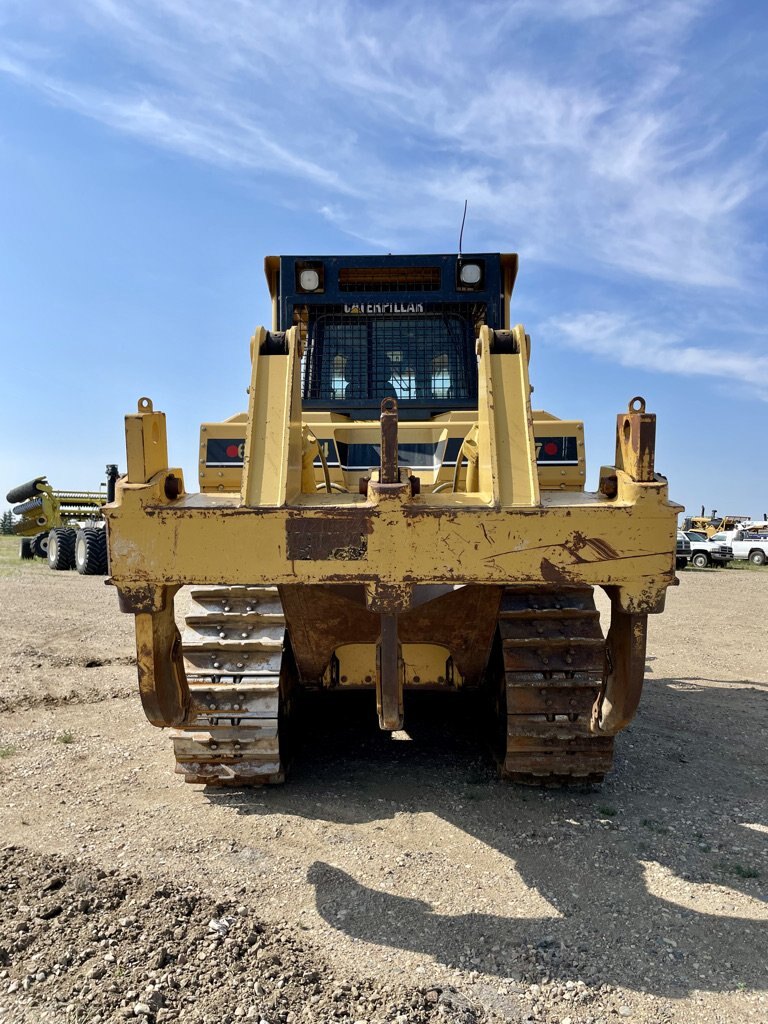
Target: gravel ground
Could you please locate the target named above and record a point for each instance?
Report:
(390, 880)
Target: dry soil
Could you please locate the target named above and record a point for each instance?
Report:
(389, 880)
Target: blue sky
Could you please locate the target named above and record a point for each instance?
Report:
(152, 152)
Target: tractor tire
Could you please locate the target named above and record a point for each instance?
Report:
(700, 560)
(40, 545)
(61, 548)
(757, 557)
(91, 551)
(25, 548)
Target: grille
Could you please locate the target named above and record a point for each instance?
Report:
(425, 358)
(389, 279)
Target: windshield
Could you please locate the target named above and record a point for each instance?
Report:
(424, 359)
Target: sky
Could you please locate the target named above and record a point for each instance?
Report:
(153, 152)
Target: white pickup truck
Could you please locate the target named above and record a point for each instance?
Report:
(705, 551)
(748, 543)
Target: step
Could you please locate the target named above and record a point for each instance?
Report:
(244, 701)
(257, 742)
(557, 603)
(534, 730)
(216, 662)
(554, 630)
(241, 773)
(552, 700)
(584, 656)
(214, 636)
(241, 600)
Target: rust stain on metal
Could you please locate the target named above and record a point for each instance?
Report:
(389, 472)
(330, 538)
(162, 680)
(144, 598)
(389, 675)
(619, 697)
(552, 573)
(320, 618)
(602, 549)
(609, 485)
(636, 441)
(389, 598)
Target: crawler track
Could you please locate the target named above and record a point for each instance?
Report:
(233, 656)
(553, 664)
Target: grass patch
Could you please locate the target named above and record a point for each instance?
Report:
(10, 560)
(7, 750)
(740, 870)
(608, 812)
(65, 737)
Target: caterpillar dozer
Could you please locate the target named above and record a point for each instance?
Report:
(390, 514)
(710, 525)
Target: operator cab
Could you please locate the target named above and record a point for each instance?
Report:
(390, 326)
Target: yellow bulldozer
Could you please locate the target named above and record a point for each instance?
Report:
(390, 514)
(708, 526)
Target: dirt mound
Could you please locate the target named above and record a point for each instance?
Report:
(107, 946)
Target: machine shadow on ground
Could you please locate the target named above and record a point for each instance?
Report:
(584, 851)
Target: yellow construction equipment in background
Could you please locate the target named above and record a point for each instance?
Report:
(391, 514)
(708, 526)
(63, 526)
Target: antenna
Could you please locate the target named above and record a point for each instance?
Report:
(461, 233)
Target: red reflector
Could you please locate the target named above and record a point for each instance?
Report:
(550, 448)
(232, 451)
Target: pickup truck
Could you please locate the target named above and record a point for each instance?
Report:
(682, 551)
(745, 544)
(705, 551)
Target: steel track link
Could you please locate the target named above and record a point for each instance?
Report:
(553, 665)
(233, 651)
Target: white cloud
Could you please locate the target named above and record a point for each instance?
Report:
(374, 102)
(583, 132)
(632, 342)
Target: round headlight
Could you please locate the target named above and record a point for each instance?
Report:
(470, 273)
(309, 280)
